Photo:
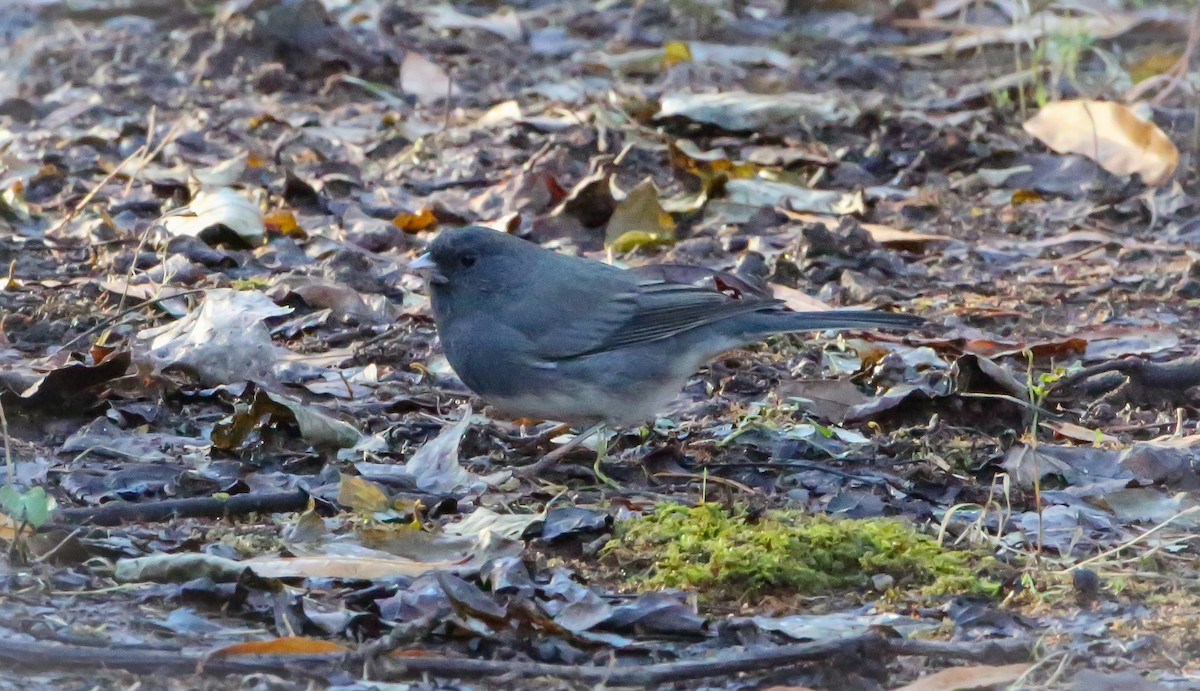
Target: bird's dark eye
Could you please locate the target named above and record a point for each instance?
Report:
(468, 260)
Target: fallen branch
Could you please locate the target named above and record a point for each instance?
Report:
(118, 512)
(39, 655)
(1133, 380)
(19, 654)
(396, 668)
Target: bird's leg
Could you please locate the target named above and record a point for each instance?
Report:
(538, 440)
(556, 455)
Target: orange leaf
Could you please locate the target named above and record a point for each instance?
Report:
(414, 223)
(283, 222)
(292, 645)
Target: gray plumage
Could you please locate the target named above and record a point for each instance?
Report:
(544, 335)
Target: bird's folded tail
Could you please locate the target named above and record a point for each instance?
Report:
(843, 319)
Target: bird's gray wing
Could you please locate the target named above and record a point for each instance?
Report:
(663, 309)
(603, 308)
(577, 315)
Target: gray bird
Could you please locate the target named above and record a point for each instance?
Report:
(544, 335)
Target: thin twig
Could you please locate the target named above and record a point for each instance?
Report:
(113, 321)
(1134, 541)
(8, 461)
(91, 193)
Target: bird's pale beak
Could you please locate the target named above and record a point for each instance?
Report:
(425, 264)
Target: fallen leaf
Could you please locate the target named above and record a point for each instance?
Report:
(222, 342)
(510, 526)
(827, 399)
(796, 299)
(1111, 134)
(973, 677)
(890, 237)
(1070, 430)
(500, 114)
(283, 222)
(503, 22)
(424, 79)
(1032, 29)
(738, 111)
(342, 566)
(223, 206)
(362, 495)
(758, 192)
(435, 465)
(290, 645)
(423, 219)
(639, 220)
(675, 52)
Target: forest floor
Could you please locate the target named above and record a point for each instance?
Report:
(235, 457)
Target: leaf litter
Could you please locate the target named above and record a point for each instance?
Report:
(207, 327)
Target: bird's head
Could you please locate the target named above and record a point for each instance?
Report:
(473, 263)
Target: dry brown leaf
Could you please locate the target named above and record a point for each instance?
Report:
(1110, 134)
(974, 677)
(424, 79)
(786, 196)
(828, 399)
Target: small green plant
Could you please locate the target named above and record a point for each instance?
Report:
(1040, 387)
(1053, 58)
(33, 507)
(732, 553)
(1063, 52)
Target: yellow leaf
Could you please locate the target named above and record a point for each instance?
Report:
(639, 220)
(1024, 196)
(675, 52)
(362, 495)
(1152, 65)
(635, 239)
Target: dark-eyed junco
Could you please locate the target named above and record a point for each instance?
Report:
(544, 335)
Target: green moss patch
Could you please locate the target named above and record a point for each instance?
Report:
(720, 553)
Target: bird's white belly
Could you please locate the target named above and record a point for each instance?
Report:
(586, 405)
